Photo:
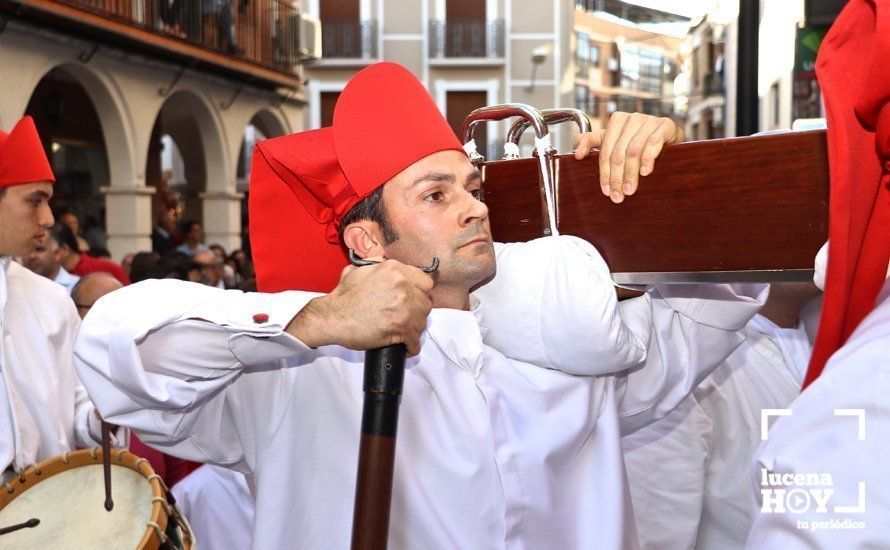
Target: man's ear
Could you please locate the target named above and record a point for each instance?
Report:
(363, 237)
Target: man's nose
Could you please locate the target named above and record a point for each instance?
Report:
(46, 218)
(474, 209)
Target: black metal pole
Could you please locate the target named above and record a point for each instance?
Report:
(384, 376)
(747, 100)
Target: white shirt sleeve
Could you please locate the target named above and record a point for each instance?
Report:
(187, 366)
(691, 329)
(552, 303)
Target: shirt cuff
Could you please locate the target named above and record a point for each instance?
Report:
(256, 323)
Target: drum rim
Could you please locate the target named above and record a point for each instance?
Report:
(32, 475)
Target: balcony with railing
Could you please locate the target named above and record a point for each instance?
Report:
(259, 38)
(712, 84)
(467, 41)
(345, 41)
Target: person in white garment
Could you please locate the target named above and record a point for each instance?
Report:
(44, 260)
(44, 410)
(493, 451)
(821, 477)
(684, 469)
(218, 505)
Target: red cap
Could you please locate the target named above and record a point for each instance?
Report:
(856, 90)
(303, 184)
(22, 158)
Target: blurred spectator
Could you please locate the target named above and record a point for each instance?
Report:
(210, 268)
(220, 251)
(242, 264)
(94, 232)
(194, 238)
(100, 253)
(90, 288)
(70, 219)
(77, 262)
(177, 265)
(143, 266)
(127, 264)
(230, 274)
(169, 17)
(44, 260)
(219, 17)
(162, 234)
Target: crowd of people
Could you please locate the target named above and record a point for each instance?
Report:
(64, 256)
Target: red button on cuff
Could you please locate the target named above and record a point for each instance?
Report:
(260, 318)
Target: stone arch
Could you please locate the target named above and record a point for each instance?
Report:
(112, 111)
(92, 154)
(193, 124)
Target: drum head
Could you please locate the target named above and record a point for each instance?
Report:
(70, 507)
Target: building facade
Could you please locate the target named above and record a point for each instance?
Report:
(118, 89)
(619, 64)
(468, 53)
(704, 52)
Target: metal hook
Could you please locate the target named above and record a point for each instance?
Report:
(359, 262)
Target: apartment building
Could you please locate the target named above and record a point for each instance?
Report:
(705, 50)
(620, 63)
(468, 53)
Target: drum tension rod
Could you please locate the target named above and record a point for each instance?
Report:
(33, 522)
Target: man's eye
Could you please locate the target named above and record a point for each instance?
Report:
(435, 196)
(478, 194)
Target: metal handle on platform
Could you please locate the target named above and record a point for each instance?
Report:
(549, 185)
(551, 116)
(532, 116)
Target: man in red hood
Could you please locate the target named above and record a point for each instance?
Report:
(44, 410)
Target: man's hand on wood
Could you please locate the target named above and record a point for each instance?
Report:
(372, 307)
(628, 146)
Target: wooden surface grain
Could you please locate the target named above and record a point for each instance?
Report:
(753, 203)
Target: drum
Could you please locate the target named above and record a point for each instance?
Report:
(66, 493)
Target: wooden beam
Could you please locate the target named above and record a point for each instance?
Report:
(121, 33)
(740, 209)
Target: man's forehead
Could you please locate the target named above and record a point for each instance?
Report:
(444, 163)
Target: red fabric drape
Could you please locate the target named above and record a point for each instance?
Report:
(855, 80)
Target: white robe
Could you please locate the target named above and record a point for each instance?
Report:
(491, 452)
(815, 439)
(44, 410)
(684, 470)
(219, 507)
